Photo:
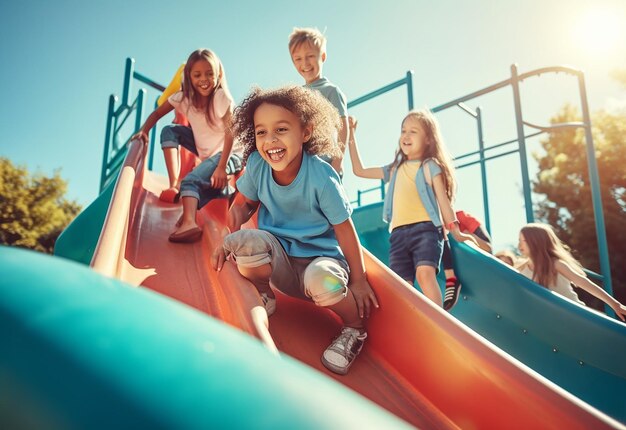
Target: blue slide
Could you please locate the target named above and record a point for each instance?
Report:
(579, 349)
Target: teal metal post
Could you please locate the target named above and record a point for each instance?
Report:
(530, 217)
(128, 75)
(483, 167)
(596, 195)
(107, 139)
(409, 88)
(152, 141)
(141, 95)
(407, 80)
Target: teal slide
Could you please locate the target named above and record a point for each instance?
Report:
(78, 241)
(579, 349)
(83, 351)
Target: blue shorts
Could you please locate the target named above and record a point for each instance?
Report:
(197, 183)
(414, 245)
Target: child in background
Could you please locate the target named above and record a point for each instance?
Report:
(549, 263)
(207, 104)
(306, 244)
(421, 185)
(307, 47)
(470, 225)
(507, 257)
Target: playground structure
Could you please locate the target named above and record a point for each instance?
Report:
(419, 363)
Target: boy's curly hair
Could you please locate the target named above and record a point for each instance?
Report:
(308, 105)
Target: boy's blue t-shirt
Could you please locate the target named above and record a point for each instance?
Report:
(332, 93)
(301, 215)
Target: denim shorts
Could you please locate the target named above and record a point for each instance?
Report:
(174, 135)
(414, 245)
(197, 183)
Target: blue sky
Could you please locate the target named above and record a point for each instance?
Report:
(62, 60)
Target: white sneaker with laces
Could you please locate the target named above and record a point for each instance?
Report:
(269, 303)
(341, 353)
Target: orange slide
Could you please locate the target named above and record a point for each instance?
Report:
(419, 363)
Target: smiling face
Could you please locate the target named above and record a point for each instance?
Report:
(412, 138)
(203, 77)
(308, 60)
(279, 138)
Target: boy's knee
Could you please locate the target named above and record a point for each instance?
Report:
(248, 247)
(325, 281)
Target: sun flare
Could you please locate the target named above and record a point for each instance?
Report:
(599, 30)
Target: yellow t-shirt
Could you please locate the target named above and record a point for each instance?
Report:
(407, 204)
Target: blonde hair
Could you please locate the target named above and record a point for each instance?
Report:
(218, 69)
(307, 35)
(544, 250)
(311, 108)
(435, 148)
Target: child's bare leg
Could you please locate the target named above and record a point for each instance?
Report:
(348, 312)
(427, 279)
(172, 163)
(188, 218)
(259, 276)
(256, 252)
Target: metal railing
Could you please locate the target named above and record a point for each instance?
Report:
(408, 81)
(114, 147)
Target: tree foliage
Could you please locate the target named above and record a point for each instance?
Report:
(563, 184)
(33, 211)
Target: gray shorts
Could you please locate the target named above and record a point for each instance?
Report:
(322, 280)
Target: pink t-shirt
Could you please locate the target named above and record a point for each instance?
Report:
(209, 138)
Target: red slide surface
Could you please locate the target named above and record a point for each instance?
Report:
(419, 363)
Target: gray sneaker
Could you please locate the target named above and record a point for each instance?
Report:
(341, 353)
(269, 303)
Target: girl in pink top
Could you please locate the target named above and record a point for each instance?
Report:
(206, 102)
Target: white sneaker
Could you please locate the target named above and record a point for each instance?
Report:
(341, 353)
(269, 303)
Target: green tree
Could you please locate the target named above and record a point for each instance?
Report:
(33, 211)
(565, 192)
